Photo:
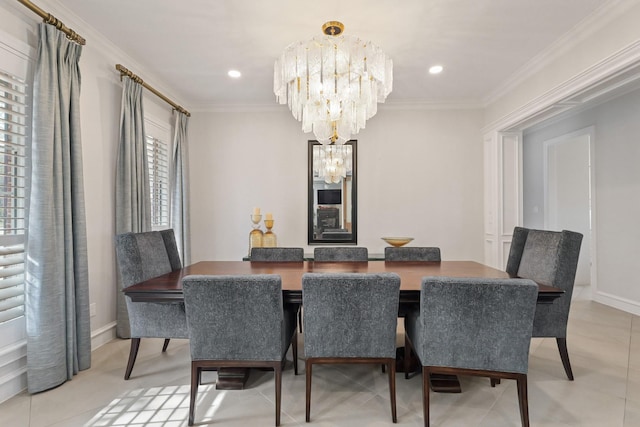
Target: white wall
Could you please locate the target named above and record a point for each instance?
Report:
(419, 175)
(617, 189)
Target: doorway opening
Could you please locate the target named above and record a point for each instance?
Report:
(569, 193)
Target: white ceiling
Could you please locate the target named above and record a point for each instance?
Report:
(191, 44)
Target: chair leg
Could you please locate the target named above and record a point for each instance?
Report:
(392, 389)
(307, 367)
(564, 355)
(165, 345)
(523, 399)
(195, 380)
(495, 381)
(300, 319)
(425, 395)
(278, 374)
(133, 352)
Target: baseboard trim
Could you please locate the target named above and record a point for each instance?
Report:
(624, 304)
(101, 336)
(13, 384)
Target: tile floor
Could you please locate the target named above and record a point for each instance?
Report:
(604, 345)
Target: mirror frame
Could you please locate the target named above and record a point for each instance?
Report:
(311, 240)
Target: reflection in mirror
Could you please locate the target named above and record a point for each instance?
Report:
(332, 193)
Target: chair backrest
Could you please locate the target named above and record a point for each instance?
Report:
(350, 314)
(474, 323)
(340, 254)
(277, 254)
(518, 239)
(141, 256)
(412, 254)
(172, 248)
(235, 317)
(551, 258)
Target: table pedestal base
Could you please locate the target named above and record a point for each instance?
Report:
(440, 383)
(236, 378)
(232, 378)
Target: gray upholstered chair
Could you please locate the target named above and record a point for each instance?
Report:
(238, 321)
(473, 327)
(142, 256)
(277, 254)
(350, 318)
(412, 254)
(550, 258)
(336, 254)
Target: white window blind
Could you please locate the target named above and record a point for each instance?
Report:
(13, 135)
(158, 159)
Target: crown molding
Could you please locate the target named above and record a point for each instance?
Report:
(587, 27)
(469, 104)
(238, 108)
(387, 106)
(621, 68)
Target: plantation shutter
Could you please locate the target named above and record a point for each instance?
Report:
(13, 135)
(158, 160)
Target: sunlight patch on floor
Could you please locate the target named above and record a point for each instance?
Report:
(154, 407)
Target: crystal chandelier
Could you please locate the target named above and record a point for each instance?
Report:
(332, 162)
(333, 83)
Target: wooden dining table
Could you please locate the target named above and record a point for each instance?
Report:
(168, 287)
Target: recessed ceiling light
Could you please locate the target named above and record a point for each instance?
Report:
(436, 69)
(234, 74)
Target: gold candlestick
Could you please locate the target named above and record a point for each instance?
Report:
(256, 235)
(269, 238)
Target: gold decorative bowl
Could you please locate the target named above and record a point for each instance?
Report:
(397, 241)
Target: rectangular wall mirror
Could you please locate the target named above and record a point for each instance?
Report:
(332, 193)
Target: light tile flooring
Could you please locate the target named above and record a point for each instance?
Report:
(604, 345)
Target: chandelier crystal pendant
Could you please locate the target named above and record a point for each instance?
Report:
(333, 83)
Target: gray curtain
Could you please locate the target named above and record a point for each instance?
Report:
(133, 202)
(180, 188)
(57, 286)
